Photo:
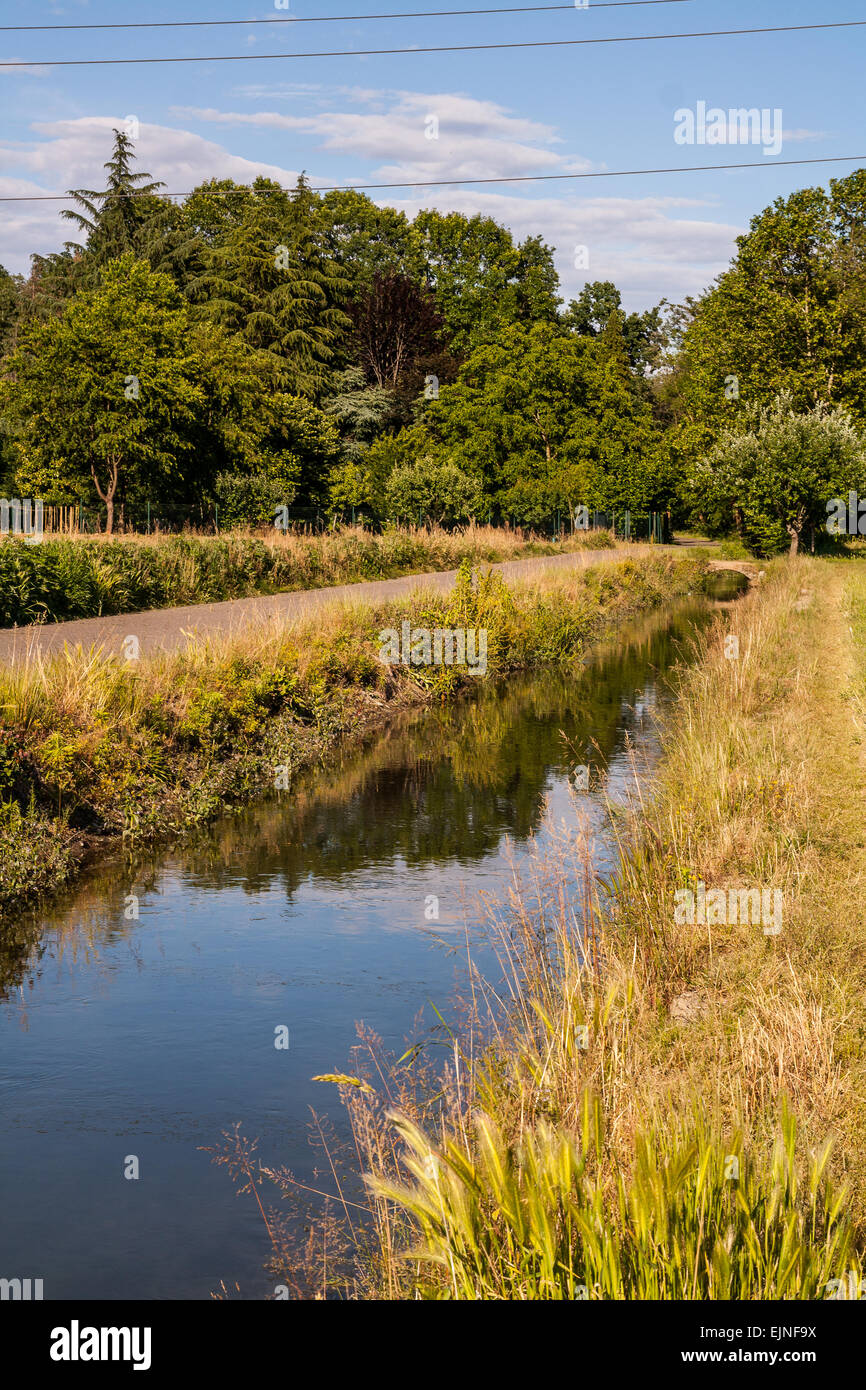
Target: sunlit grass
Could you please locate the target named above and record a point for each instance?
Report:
(82, 577)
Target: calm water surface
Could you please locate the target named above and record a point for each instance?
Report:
(151, 1037)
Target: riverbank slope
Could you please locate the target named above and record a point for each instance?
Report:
(96, 750)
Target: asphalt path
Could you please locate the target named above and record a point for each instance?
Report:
(170, 629)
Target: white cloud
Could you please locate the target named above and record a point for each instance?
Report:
(419, 135)
(650, 246)
(795, 135)
(640, 243)
(75, 151)
(71, 153)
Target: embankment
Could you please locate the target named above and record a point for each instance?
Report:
(96, 751)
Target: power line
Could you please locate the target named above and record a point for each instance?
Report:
(455, 183)
(449, 48)
(329, 18)
(602, 174)
(443, 48)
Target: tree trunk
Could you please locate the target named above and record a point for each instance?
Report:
(794, 529)
(108, 495)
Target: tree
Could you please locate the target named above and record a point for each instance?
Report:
(309, 444)
(351, 487)
(592, 311)
(547, 421)
(267, 278)
(775, 476)
(433, 488)
(632, 469)
(104, 396)
(360, 412)
(788, 316)
(368, 240)
(396, 323)
(11, 288)
(254, 443)
(118, 220)
(481, 280)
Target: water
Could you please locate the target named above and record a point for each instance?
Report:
(151, 1037)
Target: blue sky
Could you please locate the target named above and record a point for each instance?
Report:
(367, 119)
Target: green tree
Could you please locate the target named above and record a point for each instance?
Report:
(775, 476)
(368, 240)
(788, 316)
(548, 420)
(433, 489)
(267, 278)
(481, 280)
(360, 412)
(126, 217)
(592, 311)
(104, 396)
(253, 440)
(351, 487)
(11, 289)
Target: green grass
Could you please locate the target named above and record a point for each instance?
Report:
(694, 1218)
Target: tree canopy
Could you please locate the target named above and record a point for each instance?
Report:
(258, 346)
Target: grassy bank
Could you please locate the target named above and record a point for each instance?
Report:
(652, 1108)
(95, 751)
(63, 579)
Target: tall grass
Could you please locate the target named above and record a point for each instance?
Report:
(63, 579)
(540, 1218)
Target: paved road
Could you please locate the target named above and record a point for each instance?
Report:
(167, 629)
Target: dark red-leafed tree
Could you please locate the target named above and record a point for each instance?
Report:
(396, 323)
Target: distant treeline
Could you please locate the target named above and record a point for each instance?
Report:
(256, 347)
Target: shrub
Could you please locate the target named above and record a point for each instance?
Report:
(434, 489)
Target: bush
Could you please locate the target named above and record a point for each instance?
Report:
(775, 473)
(434, 489)
(246, 500)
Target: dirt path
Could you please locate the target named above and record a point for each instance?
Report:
(167, 629)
